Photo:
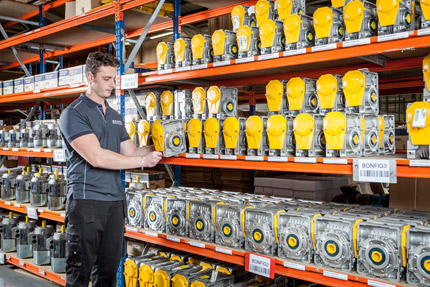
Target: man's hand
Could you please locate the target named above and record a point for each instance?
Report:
(151, 159)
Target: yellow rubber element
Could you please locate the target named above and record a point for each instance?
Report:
(276, 131)
(334, 126)
(214, 213)
(363, 129)
(267, 33)
(179, 49)
(244, 32)
(381, 129)
(167, 103)
(157, 132)
(199, 100)
(353, 15)
(218, 42)
(354, 83)
(376, 256)
(292, 242)
(404, 242)
(211, 132)
(199, 225)
(425, 7)
(131, 212)
(387, 11)
(304, 129)
(257, 236)
(418, 136)
(262, 11)
(150, 101)
(327, 90)
(213, 97)
(374, 139)
(331, 248)
(354, 236)
(175, 221)
(313, 228)
(275, 224)
(426, 66)
(284, 8)
(274, 95)
(226, 230)
(197, 46)
(292, 24)
(243, 219)
(231, 128)
(254, 132)
(296, 89)
(161, 278)
(338, 3)
(194, 132)
(162, 52)
(427, 265)
(323, 20)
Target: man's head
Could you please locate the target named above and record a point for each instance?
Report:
(101, 71)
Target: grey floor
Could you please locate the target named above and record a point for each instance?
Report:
(12, 276)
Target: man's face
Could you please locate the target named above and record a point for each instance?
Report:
(103, 82)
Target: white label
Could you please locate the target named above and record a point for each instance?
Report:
(357, 42)
(192, 155)
(223, 250)
(41, 271)
(419, 120)
(40, 210)
(294, 52)
(197, 244)
(379, 284)
(211, 156)
(59, 155)
(425, 163)
(5, 148)
(245, 60)
(236, 22)
(7, 203)
(172, 238)
(129, 81)
(335, 160)
(277, 158)
(17, 205)
(305, 159)
(335, 275)
(47, 150)
(254, 158)
(74, 86)
(294, 266)
(324, 47)
(395, 36)
(7, 257)
(36, 150)
(422, 32)
(150, 233)
(243, 44)
(64, 279)
(167, 71)
(228, 157)
(132, 229)
(268, 56)
(15, 149)
(21, 262)
(32, 212)
(152, 79)
(222, 63)
(182, 69)
(199, 67)
(259, 265)
(2, 258)
(36, 91)
(375, 170)
(62, 214)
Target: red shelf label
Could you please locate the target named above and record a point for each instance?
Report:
(260, 265)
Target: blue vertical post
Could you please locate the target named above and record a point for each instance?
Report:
(119, 44)
(176, 15)
(252, 112)
(42, 51)
(30, 68)
(109, 49)
(60, 60)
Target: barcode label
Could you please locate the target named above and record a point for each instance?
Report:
(305, 159)
(245, 60)
(223, 250)
(419, 120)
(59, 155)
(5, 148)
(172, 238)
(2, 258)
(182, 69)
(259, 270)
(423, 32)
(197, 244)
(199, 67)
(379, 284)
(335, 275)
(236, 22)
(62, 214)
(192, 155)
(375, 170)
(41, 271)
(129, 81)
(294, 266)
(32, 213)
(356, 42)
(335, 160)
(228, 157)
(374, 173)
(150, 233)
(243, 44)
(324, 47)
(294, 52)
(15, 149)
(254, 158)
(260, 265)
(132, 229)
(395, 36)
(424, 163)
(7, 203)
(221, 63)
(268, 56)
(21, 262)
(17, 205)
(211, 156)
(163, 72)
(277, 159)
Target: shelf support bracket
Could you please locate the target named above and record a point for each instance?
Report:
(15, 52)
(137, 104)
(171, 173)
(375, 59)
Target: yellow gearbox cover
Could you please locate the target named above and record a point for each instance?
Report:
(363, 128)
(254, 131)
(284, 8)
(334, 126)
(130, 127)
(262, 10)
(150, 101)
(425, 7)
(167, 103)
(267, 33)
(419, 135)
(292, 24)
(353, 15)
(162, 52)
(213, 98)
(243, 37)
(143, 131)
(194, 132)
(327, 90)
(197, 46)
(161, 278)
(387, 11)
(199, 100)
(238, 15)
(197, 284)
(274, 95)
(231, 129)
(296, 89)
(304, 129)
(426, 70)
(338, 3)
(179, 48)
(146, 275)
(157, 132)
(211, 131)
(179, 281)
(130, 273)
(381, 129)
(218, 42)
(354, 83)
(323, 20)
(276, 131)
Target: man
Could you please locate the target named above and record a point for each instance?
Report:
(98, 146)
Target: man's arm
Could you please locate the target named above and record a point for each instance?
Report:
(89, 148)
(129, 149)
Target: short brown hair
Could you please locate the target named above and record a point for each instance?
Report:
(97, 59)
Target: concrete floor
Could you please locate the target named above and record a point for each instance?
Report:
(12, 276)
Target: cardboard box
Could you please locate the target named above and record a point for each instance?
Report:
(18, 85)
(77, 75)
(83, 6)
(70, 9)
(39, 82)
(63, 76)
(8, 87)
(51, 80)
(283, 192)
(410, 193)
(135, 248)
(29, 84)
(153, 179)
(1, 88)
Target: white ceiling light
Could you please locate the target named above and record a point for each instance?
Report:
(161, 35)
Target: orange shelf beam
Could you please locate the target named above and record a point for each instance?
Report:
(42, 212)
(43, 94)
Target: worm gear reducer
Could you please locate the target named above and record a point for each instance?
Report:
(201, 48)
(276, 97)
(370, 135)
(167, 103)
(176, 216)
(183, 104)
(272, 36)
(381, 249)
(213, 136)
(243, 15)
(224, 45)
(200, 105)
(255, 130)
(328, 25)
(360, 88)
(309, 135)
(165, 56)
(342, 134)
(276, 129)
(265, 10)
(299, 32)
(425, 13)
(234, 139)
(426, 74)
(330, 93)
(183, 55)
(394, 16)
(135, 200)
(360, 20)
(153, 106)
(387, 134)
(195, 136)
(169, 137)
(302, 96)
(222, 102)
(229, 225)
(418, 123)
(248, 38)
(418, 248)
(201, 218)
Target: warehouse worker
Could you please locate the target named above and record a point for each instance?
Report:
(98, 146)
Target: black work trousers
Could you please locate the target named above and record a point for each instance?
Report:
(95, 238)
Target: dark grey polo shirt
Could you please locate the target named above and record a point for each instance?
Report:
(84, 116)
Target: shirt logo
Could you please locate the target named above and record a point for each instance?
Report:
(116, 122)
